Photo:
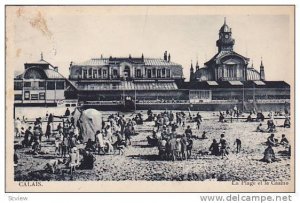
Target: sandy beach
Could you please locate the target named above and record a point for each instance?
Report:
(141, 161)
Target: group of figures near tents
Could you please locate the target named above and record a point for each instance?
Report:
(82, 135)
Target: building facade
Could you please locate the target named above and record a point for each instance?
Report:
(226, 65)
(115, 78)
(39, 84)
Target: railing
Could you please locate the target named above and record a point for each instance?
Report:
(102, 102)
(272, 101)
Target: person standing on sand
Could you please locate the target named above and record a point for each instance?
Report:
(223, 146)
(238, 144)
(235, 110)
(198, 123)
(17, 127)
(48, 131)
(67, 113)
(127, 133)
(188, 131)
(184, 143)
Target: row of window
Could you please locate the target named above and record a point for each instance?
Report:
(103, 73)
(51, 85)
(230, 71)
(28, 96)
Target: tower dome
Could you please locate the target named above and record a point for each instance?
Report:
(225, 27)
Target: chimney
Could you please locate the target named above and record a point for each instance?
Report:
(169, 57)
(142, 56)
(166, 56)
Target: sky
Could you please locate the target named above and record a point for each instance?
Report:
(66, 34)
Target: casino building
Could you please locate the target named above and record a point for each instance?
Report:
(103, 81)
(226, 65)
(114, 83)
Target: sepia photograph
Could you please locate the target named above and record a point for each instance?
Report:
(150, 98)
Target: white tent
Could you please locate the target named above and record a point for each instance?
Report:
(91, 122)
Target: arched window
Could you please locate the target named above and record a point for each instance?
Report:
(34, 73)
(127, 71)
(99, 73)
(90, 72)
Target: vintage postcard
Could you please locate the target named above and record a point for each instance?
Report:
(150, 98)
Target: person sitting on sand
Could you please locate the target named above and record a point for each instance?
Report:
(260, 128)
(287, 123)
(271, 126)
(87, 161)
(214, 148)
(120, 143)
(269, 155)
(260, 117)
(204, 135)
(36, 147)
(284, 141)
(52, 165)
(90, 145)
(249, 118)
(271, 140)
(27, 137)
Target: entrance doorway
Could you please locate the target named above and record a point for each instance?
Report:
(149, 73)
(127, 71)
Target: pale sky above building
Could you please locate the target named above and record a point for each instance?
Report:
(66, 34)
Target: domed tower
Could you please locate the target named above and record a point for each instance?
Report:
(225, 41)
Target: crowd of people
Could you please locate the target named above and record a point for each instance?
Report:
(172, 134)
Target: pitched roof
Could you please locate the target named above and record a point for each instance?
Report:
(159, 62)
(128, 85)
(221, 54)
(106, 61)
(52, 74)
(252, 74)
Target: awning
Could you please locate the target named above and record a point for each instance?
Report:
(129, 85)
(235, 82)
(259, 82)
(212, 83)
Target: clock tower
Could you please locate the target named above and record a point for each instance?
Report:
(225, 41)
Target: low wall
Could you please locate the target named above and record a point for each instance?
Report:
(193, 107)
